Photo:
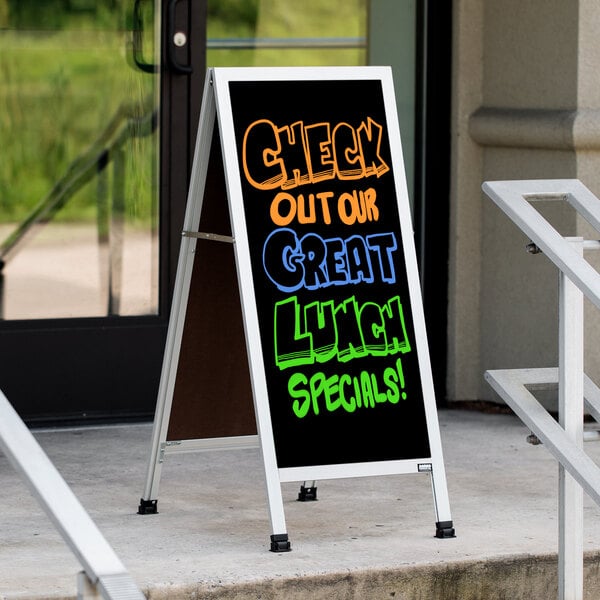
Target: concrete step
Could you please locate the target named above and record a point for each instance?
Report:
(363, 538)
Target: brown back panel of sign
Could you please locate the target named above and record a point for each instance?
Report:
(213, 394)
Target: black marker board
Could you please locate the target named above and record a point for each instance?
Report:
(349, 365)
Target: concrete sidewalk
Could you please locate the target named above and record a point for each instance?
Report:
(364, 538)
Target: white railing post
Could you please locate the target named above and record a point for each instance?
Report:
(570, 409)
(105, 576)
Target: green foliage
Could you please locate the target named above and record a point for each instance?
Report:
(286, 19)
(57, 95)
(235, 15)
(44, 15)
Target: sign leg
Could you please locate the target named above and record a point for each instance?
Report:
(279, 538)
(185, 266)
(444, 527)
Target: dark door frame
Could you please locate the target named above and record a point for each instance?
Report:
(432, 180)
(181, 99)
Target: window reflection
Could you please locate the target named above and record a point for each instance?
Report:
(78, 191)
(286, 33)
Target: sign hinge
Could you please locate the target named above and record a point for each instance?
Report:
(163, 448)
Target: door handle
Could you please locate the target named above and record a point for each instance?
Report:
(175, 40)
(137, 37)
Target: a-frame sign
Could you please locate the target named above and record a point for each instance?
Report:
(327, 275)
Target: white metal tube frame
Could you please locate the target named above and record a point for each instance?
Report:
(104, 574)
(564, 440)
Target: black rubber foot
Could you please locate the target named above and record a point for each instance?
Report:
(444, 529)
(280, 543)
(307, 494)
(148, 507)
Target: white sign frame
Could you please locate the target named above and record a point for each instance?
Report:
(217, 101)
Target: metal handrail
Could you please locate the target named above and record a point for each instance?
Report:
(564, 440)
(104, 571)
(252, 43)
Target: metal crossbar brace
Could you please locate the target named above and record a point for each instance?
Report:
(515, 198)
(514, 387)
(215, 237)
(103, 570)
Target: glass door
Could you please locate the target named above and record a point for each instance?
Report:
(89, 199)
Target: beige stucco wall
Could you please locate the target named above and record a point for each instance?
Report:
(526, 105)
(464, 364)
